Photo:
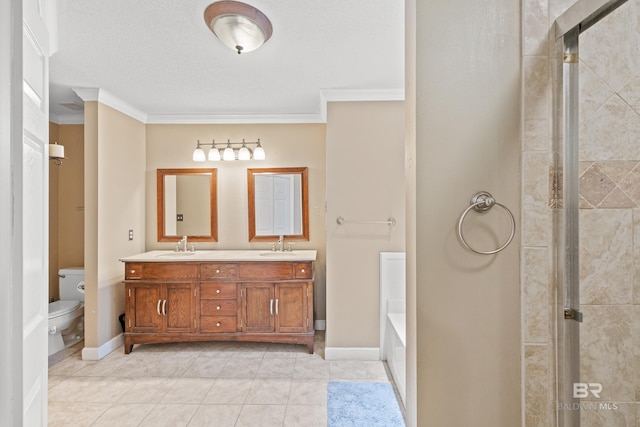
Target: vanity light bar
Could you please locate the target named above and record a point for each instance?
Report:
(230, 151)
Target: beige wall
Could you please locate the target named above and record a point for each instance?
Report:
(66, 203)
(294, 145)
(467, 139)
(54, 174)
(365, 181)
(114, 204)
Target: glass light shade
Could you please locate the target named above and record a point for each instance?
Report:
(198, 155)
(228, 154)
(238, 32)
(258, 153)
(214, 155)
(244, 153)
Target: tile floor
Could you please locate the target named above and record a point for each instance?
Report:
(200, 384)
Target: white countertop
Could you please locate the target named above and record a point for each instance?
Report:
(222, 255)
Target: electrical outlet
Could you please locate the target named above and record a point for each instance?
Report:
(180, 217)
(130, 234)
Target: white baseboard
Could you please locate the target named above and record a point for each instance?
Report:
(352, 353)
(97, 353)
(321, 325)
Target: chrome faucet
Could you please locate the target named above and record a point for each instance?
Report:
(184, 244)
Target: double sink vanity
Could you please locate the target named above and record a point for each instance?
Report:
(224, 295)
(219, 295)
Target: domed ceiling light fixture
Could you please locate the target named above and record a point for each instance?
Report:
(238, 25)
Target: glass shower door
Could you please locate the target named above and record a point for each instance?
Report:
(598, 216)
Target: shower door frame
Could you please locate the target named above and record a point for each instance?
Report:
(565, 200)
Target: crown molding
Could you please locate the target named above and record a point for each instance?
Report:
(106, 98)
(354, 95)
(67, 119)
(233, 119)
(326, 95)
(357, 95)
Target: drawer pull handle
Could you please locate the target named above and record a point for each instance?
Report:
(218, 308)
(217, 291)
(158, 307)
(218, 324)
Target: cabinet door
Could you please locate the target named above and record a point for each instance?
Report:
(291, 307)
(179, 308)
(144, 302)
(258, 307)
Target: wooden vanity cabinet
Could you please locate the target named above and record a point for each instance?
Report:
(275, 307)
(160, 307)
(266, 301)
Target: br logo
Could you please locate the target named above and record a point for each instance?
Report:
(582, 390)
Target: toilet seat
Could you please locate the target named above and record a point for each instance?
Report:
(60, 308)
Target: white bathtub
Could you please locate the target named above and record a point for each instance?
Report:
(393, 307)
(395, 351)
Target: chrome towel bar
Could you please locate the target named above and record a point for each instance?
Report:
(482, 202)
(391, 221)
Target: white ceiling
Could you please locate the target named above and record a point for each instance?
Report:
(159, 58)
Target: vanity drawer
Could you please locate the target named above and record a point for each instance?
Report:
(218, 307)
(170, 271)
(132, 271)
(302, 270)
(218, 324)
(218, 271)
(266, 270)
(218, 291)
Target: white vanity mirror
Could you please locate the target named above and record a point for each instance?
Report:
(278, 204)
(187, 205)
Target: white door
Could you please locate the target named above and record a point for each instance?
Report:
(282, 204)
(263, 188)
(24, 112)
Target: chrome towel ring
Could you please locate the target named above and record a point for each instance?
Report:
(482, 202)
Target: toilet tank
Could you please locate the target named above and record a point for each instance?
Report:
(71, 281)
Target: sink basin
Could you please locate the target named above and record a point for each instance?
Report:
(177, 254)
(278, 254)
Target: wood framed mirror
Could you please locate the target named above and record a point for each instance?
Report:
(278, 204)
(187, 205)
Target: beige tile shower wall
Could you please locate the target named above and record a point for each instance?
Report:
(609, 106)
(286, 145)
(609, 202)
(538, 345)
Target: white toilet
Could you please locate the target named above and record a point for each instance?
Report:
(66, 317)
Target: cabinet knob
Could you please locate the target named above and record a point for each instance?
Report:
(132, 271)
(217, 271)
(217, 291)
(302, 270)
(218, 324)
(218, 308)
